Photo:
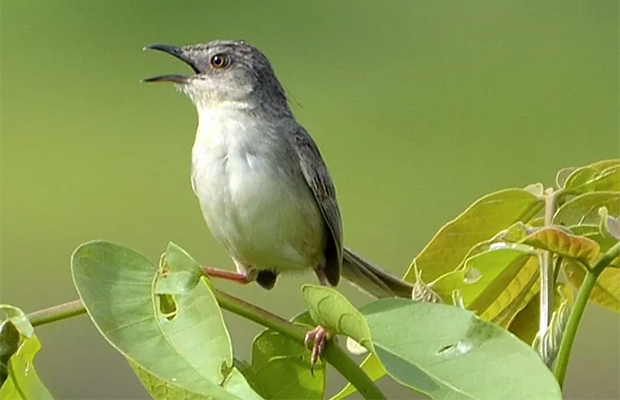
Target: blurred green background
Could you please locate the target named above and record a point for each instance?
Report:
(419, 109)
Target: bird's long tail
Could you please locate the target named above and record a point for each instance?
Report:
(372, 279)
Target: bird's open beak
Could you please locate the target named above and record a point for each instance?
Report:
(177, 52)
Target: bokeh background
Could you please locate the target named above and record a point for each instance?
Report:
(419, 109)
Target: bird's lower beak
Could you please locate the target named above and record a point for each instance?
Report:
(177, 52)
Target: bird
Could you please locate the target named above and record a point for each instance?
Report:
(263, 187)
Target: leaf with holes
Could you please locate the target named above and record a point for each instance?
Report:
(480, 222)
(448, 352)
(487, 276)
(166, 320)
(281, 366)
(336, 314)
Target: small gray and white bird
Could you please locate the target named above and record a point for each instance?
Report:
(263, 187)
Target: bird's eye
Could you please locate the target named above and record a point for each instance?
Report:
(219, 61)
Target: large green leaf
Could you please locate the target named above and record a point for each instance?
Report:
(448, 352)
(480, 222)
(166, 320)
(281, 366)
(583, 209)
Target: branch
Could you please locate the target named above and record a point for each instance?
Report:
(57, 313)
(561, 363)
(333, 353)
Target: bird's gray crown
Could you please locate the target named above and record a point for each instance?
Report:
(226, 72)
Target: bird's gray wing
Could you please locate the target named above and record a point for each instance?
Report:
(317, 177)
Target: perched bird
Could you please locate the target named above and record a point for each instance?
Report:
(263, 187)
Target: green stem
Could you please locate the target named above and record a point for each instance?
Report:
(561, 363)
(333, 353)
(546, 272)
(57, 313)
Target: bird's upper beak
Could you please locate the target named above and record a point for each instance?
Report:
(179, 53)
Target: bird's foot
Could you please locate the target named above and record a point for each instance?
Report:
(318, 336)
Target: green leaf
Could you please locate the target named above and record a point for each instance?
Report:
(606, 291)
(480, 222)
(491, 280)
(583, 209)
(526, 323)
(18, 318)
(562, 176)
(448, 352)
(565, 244)
(498, 267)
(580, 177)
(605, 164)
(602, 176)
(159, 389)
(166, 319)
(332, 311)
(9, 343)
(515, 296)
(23, 381)
(594, 232)
(372, 367)
(281, 366)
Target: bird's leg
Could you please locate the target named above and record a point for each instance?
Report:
(238, 277)
(244, 274)
(319, 335)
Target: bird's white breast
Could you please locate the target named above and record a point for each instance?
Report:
(252, 196)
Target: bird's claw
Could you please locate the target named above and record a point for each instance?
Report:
(318, 336)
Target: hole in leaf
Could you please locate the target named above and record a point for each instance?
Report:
(472, 276)
(445, 349)
(167, 306)
(458, 349)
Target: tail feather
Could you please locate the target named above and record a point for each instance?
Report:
(372, 279)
